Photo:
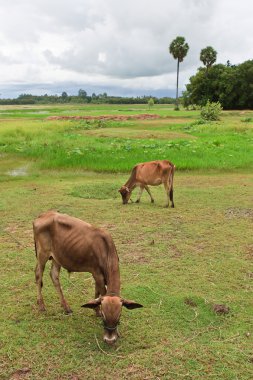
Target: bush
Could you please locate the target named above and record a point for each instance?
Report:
(247, 120)
(151, 103)
(211, 111)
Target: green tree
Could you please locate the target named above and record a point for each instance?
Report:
(64, 96)
(179, 49)
(204, 87)
(208, 56)
(82, 94)
(231, 85)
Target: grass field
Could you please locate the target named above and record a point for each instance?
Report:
(178, 262)
(117, 145)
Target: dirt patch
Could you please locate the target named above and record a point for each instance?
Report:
(176, 252)
(221, 309)
(143, 116)
(249, 252)
(190, 302)
(239, 213)
(18, 172)
(20, 374)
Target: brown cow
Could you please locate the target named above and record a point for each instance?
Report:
(79, 247)
(150, 173)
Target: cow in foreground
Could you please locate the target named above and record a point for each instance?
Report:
(152, 173)
(80, 247)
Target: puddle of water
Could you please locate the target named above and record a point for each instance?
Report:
(18, 172)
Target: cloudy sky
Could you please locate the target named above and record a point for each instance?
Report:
(114, 46)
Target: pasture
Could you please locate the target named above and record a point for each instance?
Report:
(179, 263)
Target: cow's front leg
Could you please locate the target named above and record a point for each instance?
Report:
(149, 192)
(100, 290)
(140, 194)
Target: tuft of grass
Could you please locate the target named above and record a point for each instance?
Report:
(247, 120)
(96, 191)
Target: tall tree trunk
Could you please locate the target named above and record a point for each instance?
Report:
(177, 108)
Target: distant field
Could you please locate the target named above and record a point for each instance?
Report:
(179, 263)
(116, 145)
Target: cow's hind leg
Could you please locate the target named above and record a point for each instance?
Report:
(167, 193)
(54, 274)
(39, 269)
(171, 197)
(149, 192)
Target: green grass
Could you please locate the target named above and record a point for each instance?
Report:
(177, 262)
(116, 146)
(201, 250)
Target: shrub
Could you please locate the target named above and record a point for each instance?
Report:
(211, 111)
(151, 103)
(247, 120)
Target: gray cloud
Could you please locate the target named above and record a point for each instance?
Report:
(114, 43)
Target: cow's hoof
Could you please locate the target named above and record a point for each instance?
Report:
(138, 201)
(41, 306)
(152, 201)
(68, 311)
(98, 313)
(172, 206)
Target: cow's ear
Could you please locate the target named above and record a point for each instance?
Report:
(93, 304)
(131, 304)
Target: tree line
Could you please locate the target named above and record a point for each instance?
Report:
(83, 98)
(230, 85)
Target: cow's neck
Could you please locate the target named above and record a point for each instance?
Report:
(113, 284)
(130, 184)
(113, 275)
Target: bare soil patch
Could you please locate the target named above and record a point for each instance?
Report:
(143, 116)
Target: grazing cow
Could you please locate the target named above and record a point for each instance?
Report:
(79, 247)
(150, 173)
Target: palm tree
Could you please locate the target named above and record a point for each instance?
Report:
(178, 48)
(208, 56)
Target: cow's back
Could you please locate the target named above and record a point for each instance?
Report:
(71, 242)
(153, 172)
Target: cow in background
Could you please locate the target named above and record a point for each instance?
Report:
(152, 173)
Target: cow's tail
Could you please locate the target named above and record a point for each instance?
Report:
(171, 178)
(35, 247)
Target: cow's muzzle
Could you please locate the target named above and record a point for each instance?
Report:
(110, 335)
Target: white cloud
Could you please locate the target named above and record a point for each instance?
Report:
(115, 43)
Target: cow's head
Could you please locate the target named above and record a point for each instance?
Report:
(110, 307)
(125, 193)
